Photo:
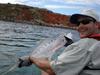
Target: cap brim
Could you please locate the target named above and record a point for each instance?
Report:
(74, 18)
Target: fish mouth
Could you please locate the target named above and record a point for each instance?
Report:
(69, 41)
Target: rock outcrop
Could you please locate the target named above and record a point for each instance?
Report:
(33, 15)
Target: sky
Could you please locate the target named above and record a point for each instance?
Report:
(66, 7)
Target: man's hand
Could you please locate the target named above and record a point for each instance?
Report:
(24, 61)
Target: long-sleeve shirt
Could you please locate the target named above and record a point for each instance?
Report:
(77, 56)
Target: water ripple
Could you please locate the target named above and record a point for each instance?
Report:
(16, 45)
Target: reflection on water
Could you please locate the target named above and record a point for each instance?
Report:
(23, 38)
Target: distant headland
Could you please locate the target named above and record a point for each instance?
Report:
(33, 15)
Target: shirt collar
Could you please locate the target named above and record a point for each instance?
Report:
(95, 36)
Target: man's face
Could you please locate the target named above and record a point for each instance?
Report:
(86, 27)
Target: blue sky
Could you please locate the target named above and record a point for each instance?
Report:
(66, 7)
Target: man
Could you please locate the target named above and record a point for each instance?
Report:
(79, 58)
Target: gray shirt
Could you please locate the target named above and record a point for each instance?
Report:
(75, 57)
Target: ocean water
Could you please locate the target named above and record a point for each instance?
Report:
(22, 39)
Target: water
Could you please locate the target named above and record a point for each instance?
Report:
(21, 39)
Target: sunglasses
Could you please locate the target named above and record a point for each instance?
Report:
(85, 21)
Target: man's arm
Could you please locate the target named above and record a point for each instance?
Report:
(43, 64)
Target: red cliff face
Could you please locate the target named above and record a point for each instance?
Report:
(47, 17)
(55, 18)
(25, 15)
(59, 20)
(22, 13)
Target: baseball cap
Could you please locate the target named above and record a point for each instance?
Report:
(88, 13)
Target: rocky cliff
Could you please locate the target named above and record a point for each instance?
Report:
(33, 15)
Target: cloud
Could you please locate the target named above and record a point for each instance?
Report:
(7, 1)
(26, 2)
(97, 2)
(76, 1)
(32, 2)
(38, 2)
(63, 7)
(75, 4)
(80, 1)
